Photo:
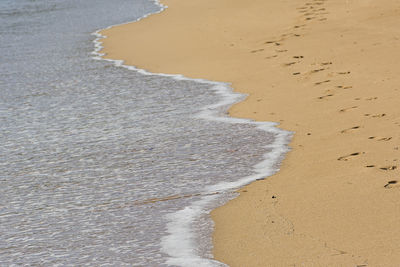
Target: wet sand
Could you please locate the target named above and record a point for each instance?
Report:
(327, 70)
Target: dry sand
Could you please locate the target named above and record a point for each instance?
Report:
(328, 70)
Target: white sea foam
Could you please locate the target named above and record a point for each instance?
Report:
(180, 243)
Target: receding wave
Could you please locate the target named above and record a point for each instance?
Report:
(188, 227)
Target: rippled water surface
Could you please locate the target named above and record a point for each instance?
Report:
(88, 149)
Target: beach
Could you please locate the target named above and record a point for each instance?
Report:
(325, 70)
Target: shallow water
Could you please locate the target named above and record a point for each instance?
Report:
(88, 148)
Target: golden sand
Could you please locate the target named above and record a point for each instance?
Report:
(327, 70)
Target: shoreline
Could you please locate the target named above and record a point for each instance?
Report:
(180, 231)
(317, 69)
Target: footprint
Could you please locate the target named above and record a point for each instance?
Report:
(379, 115)
(390, 184)
(325, 96)
(289, 64)
(257, 50)
(326, 81)
(344, 87)
(326, 63)
(371, 98)
(388, 168)
(281, 51)
(317, 70)
(380, 139)
(376, 115)
(296, 73)
(350, 129)
(271, 56)
(347, 157)
(344, 72)
(298, 57)
(346, 109)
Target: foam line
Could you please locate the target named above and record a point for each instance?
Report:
(179, 244)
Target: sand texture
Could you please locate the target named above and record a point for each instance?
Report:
(327, 70)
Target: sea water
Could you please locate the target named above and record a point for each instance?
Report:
(103, 165)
